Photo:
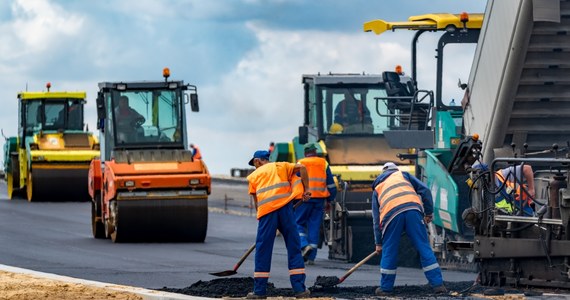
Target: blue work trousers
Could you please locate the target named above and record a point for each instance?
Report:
(283, 220)
(309, 217)
(413, 224)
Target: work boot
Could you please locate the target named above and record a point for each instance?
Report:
(303, 294)
(440, 289)
(310, 262)
(253, 295)
(380, 293)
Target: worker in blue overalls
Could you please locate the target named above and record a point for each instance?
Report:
(309, 216)
(402, 203)
(273, 186)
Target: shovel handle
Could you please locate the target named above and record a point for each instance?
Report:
(360, 263)
(298, 204)
(244, 256)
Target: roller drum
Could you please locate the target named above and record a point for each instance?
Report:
(150, 220)
(58, 184)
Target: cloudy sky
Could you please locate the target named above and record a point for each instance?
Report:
(245, 56)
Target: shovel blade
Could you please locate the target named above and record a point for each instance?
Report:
(224, 273)
(327, 281)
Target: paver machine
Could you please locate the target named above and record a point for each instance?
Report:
(146, 186)
(441, 164)
(356, 150)
(49, 158)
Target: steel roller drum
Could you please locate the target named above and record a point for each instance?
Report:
(55, 183)
(151, 220)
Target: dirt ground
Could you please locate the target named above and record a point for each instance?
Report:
(16, 286)
(239, 287)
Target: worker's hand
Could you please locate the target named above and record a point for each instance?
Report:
(428, 218)
(531, 192)
(306, 196)
(378, 249)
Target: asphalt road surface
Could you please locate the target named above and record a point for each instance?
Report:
(56, 238)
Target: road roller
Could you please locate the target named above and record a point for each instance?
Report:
(49, 158)
(146, 186)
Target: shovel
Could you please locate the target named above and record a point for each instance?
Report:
(328, 281)
(243, 257)
(241, 260)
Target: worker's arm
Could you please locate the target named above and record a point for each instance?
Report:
(254, 197)
(300, 169)
(331, 186)
(529, 177)
(376, 222)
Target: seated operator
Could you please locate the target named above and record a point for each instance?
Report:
(128, 120)
(353, 115)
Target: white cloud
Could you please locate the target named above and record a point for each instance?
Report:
(40, 24)
(261, 99)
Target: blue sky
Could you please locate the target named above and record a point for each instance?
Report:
(245, 56)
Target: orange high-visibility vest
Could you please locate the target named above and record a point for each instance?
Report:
(394, 191)
(317, 170)
(274, 185)
(510, 185)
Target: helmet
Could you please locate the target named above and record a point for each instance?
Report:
(336, 128)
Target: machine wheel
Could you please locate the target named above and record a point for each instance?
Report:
(113, 222)
(10, 184)
(29, 187)
(97, 226)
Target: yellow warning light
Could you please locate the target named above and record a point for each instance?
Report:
(166, 73)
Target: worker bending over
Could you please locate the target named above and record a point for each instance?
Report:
(400, 202)
(273, 186)
(309, 216)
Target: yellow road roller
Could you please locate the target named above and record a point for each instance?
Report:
(49, 158)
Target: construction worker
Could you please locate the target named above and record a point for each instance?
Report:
(196, 154)
(273, 186)
(271, 147)
(353, 115)
(513, 197)
(400, 202)
(309, 216)
(128, 120)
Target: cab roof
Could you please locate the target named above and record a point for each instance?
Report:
(51, 95)
(131, 85)
(332, 78)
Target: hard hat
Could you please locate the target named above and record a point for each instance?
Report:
(336, 128)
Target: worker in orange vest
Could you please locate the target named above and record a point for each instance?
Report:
(309, 216)
(402, 203)
(273, 186)
(196, 154)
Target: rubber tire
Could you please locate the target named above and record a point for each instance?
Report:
(97, 227)
(29, 187)
(10, 185)
(114, 235)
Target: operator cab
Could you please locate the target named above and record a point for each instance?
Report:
(343, 104)
(144, 115)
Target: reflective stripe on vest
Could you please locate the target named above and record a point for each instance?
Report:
(394, 191)
(273, 190)
(510, 186)
(317, 170)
